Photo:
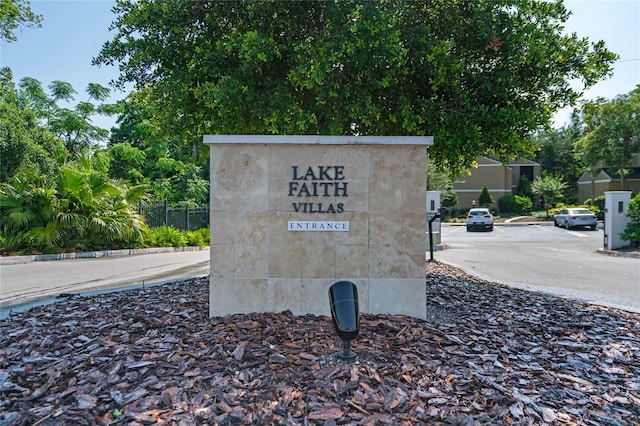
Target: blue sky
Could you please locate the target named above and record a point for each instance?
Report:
(74, 31)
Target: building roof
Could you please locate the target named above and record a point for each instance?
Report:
(516, 162)
(608, 174)
(523, 162)
(632, 173)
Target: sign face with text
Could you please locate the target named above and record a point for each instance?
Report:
(317, 225)
(292, 214)
(317, 183)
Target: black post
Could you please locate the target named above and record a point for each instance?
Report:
(435, 216)
(606, 237)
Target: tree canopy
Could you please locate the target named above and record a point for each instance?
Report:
(556, 156)
(479, 76)
(24, 143)
(13, 14)
(611, 132)
(549, 187)
(33, 124)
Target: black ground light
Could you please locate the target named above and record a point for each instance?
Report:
(343, 298)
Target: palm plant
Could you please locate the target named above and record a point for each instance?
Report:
(45, 232)
(98, 211)
(29, 208)
(81, 208)
(14, 218)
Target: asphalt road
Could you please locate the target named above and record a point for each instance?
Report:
(547, 259)
(30, 281)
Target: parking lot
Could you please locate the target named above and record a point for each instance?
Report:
(546, 258)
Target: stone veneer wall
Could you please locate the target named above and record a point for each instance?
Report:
(258, 265)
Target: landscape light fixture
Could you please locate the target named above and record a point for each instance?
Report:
(343, 298)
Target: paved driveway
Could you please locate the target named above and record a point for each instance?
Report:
(548, 259)
(37, 280)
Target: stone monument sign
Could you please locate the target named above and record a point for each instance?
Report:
(290, 215)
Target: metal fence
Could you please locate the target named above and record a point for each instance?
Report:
(180, 217)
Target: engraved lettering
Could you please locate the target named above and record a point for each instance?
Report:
(340, 189)
(318, 181)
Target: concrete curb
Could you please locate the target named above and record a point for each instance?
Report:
(635, 255)
(13, 260)
(524, 224)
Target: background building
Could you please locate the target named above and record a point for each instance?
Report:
(608, 179)
(500, 179)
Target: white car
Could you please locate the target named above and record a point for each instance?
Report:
(570, 218)
(479, 218)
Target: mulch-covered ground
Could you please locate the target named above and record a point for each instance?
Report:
(487, 354)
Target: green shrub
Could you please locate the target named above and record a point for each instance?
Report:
(514, 204)
(11, 244)
(507, 204)
(554, 210)
(165, 236)
(485, 198)
(632, 230)
(198, 238)
(448, 198)
(596, 203)
(168, 236)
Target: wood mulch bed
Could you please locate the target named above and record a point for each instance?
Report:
(486, 355)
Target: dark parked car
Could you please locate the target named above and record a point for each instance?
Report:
(479, 219)
(570, 218)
